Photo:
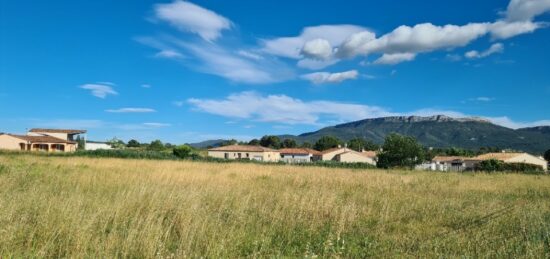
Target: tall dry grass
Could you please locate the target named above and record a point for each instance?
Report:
(82, 207)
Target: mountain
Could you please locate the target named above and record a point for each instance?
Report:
(208, 143)
(439, 131)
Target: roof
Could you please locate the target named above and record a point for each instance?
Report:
(299, 151)
(243, 148)
(498, 156)
(41, 139)
(67, 131)
(330, 150)
(451, 158)
(371, 154)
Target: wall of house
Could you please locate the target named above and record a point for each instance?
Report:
(260, 156)
(351, 157)
(528, 159)
(96, 146)
(55, 135)
(300, 158)
(10, 143)
(333, 154)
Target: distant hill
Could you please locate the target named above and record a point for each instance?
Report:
(208, 143)
(439, 131)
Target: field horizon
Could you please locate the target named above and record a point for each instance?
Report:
(105, 207)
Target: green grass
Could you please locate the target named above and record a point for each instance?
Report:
(104, 207)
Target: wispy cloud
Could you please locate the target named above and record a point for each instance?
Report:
(145, 86)
(283, 109)
(157, 124)
(100, 90)
(495, 48)
(326, 77)
(169, 54)
(190, 17)
(131, 110)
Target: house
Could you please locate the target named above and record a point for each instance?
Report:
(450, 163)
(346, 155)
(515, 158)
(36, 143)
(66, 134)
(96, 145)
(299, 155)
(245, 152)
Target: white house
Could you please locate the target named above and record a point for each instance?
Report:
(299, 155)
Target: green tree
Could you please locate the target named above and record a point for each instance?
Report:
(156, 145)
(254, 142)
(289, 143)
(116, 143)
(229, 142)
(306, 145)
(133, 143)
(326, 142)
(270, 142)
(81, 144)
(400, 151)
(360, 144)
(183, 151)
(547, 155)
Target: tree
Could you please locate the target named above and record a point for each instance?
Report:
(547, 155)
(289, 143)
(360, 144)
(133, 143)
(168, 145)
(229, 142)
(156, 145)
(326, 142)
(116, 143)
(400, 151)
(306, 145)
(270, 142)
(254, 142)
(81, 143)
(183, 151)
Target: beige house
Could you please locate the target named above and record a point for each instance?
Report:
(346, 155)
(36, 143)
(515, 158)
(299, 155)
(48, 140)
(245, 152)
(450, 163)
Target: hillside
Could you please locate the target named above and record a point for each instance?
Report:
(439, 131)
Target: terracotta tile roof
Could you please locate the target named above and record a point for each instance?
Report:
(41, 139)
(299, 151)
(67, 131)
(243, 148)
(371, 154)
(498, 156)
(451, 158)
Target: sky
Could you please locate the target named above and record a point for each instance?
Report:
(187, 71)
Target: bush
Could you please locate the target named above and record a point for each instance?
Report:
(493, 165)
(183, 151)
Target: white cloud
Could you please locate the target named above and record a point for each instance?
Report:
(482, 99)
(287, 110)
(392, 59)
(157, 124)
(284, 109)
(189, 17)
(250, 55)
(319, 49)
(169, 54)
(526, 10)
(495, 48)
(131, 110)
(325, 77)
(291, 47)
(99, 90)
(505, 30)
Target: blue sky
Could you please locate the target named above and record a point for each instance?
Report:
(185, 71)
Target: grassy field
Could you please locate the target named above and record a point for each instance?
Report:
(85, 207)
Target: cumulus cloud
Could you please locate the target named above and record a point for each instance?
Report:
(526, 10)
(495, 48)
(99, 90)
(131, 110)
(189, 17)
(326, 77)
(317, 49)
(283, 109)
(504, 30)
(291, 47)
(392, 59)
